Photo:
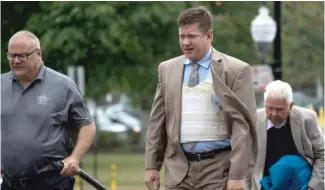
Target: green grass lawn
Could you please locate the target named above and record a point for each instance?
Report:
(129, 168)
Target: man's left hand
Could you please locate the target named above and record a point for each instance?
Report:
(71, 165)
(236, 184)
(309, 188)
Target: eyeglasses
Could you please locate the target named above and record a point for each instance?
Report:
(21, 56)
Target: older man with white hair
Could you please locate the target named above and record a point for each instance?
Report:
(284, 129)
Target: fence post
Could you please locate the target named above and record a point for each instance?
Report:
(113, 177)
(78, 183)
(321, 117)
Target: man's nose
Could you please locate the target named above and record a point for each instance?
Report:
(274, 113)
(185, 41)
(16, 59)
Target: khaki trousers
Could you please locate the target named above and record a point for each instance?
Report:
(209, 174)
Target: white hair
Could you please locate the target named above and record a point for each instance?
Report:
(279, 89)
(32, 36)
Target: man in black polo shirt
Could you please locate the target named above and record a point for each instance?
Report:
(285, 129)
(40, 110)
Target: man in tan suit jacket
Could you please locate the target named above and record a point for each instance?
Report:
(306, 136)
(232, 84)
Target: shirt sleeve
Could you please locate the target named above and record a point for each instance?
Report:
(78, 112)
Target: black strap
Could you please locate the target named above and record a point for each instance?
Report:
(205, 155)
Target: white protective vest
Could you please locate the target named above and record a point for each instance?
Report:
(202, 118)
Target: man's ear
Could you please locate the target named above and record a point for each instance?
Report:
(210, 35)
(39, 52)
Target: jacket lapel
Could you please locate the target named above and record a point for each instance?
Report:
(177, 86)
(216, 67)
(220, 87)
(295, 124)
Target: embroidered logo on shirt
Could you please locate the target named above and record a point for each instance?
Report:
(42, 100)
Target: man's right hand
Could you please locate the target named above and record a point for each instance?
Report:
(152, 180)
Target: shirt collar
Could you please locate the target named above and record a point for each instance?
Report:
(204, 62)
(270, 124)
(12, 75)
(40, 75)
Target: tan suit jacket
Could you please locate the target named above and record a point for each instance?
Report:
(232, 80)
(307, 137)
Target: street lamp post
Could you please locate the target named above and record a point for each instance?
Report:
(277, 60)
(264, 30)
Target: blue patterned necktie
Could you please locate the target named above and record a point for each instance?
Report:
(194, 76)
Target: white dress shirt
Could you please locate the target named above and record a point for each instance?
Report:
(270, 124)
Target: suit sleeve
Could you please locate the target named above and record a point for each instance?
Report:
(243, 134)
(156, 132)
(316, 139)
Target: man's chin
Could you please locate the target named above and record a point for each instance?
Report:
(20, 74)
(191, 57)
(277, 122)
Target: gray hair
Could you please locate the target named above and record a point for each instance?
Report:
(279, 89)
(32, 36)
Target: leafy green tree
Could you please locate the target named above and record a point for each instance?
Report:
(303, 42)
(120, 44)
(14, 16)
